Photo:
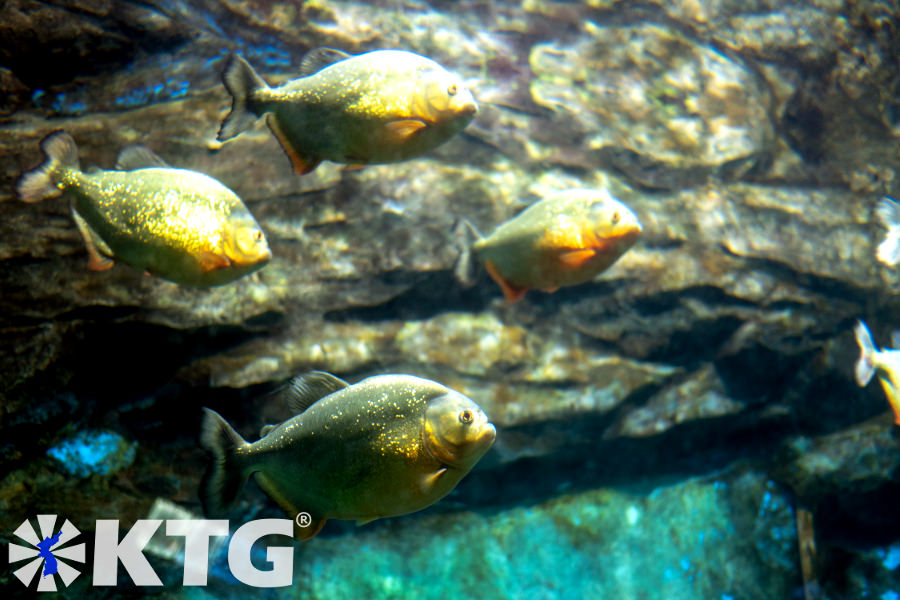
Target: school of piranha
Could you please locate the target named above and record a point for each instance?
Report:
(391, 444)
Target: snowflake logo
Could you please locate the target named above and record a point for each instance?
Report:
(46, 550)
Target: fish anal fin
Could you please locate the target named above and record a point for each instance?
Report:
(309, 532)
(303, 391)
(210, 261)
(892, 396)
(401, 130)
(301, 164)
(575, 259)
(513, 293)
(98, 250)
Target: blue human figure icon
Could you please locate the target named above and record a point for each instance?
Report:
(50, 564)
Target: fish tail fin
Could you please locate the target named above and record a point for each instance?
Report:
(888, 212)
(60, 154)
(865, 366)
(465, 235)
(225, 477)
(242, 82)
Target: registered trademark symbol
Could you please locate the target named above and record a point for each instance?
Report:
(303, 519)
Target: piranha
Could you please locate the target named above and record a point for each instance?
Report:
(386, 446)
(177, 224)
(885, 362)
(379, 107)
(565, 239)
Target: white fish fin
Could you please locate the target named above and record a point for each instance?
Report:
(888, 212)
(139, 157)
(303, 391)
(865, 366)
(60, 155)
(242, 82)
(318, 58)
(99, 252)
(465, 235)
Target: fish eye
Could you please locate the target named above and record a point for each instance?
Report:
(258, 236)
(452, 90)
(616, 217)
(465, 417)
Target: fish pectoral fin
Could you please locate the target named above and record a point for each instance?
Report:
(513, 293)
(550, 290)
(361, 522)
(210, 261)
(429, 481)
(403, 129)
(302, 164)
(575, 259)
(98, 251)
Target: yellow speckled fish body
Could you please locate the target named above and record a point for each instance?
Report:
(387, 446)
(378, 107)
(565, 239)
(181, 225)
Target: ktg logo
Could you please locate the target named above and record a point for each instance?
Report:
(52, 551)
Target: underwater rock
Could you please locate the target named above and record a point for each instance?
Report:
(651, 90)
(93, 453)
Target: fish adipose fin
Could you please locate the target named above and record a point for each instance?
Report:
(301, 164)
(242, 82)
(513, 293)
(888, 212)
(865, 366)
(318, 58)
(133, 158)
(60, 155)
(98, 251)
(303, 391)
(225, 478)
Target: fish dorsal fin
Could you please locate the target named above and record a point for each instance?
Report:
(304, 390)
(319, 58)
(139, 157)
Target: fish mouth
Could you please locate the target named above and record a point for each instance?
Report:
(488, 435)
(469, 109)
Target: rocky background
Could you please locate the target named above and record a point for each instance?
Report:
(662, 431)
